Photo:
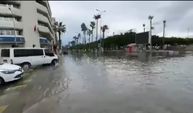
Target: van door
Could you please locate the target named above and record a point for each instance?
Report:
(38, 56)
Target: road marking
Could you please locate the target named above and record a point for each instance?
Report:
(16, 87)
(3, 108)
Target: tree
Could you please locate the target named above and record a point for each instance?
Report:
(60, 29)
(96, 17)
(79, 36)
(92, 25)
(75, 39)
(84, 29)
(104, 28)
(89, 32)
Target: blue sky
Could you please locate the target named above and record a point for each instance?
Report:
(121, 16)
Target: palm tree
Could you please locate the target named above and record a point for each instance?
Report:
(84, 29)
(75, 39)
(144, 27)
(60, 29)
(103, 29)
(96, 17)
(89, 32)
(79, 36)
(92, 25)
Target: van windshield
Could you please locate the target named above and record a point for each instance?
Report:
(5, 53)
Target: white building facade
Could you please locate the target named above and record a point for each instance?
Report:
(26, 24)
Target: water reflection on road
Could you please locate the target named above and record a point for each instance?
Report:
(108, 83)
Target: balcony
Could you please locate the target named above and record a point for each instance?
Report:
(10, 25)
(4, 10)
(41, 8)
(44, 19)
(45, 30)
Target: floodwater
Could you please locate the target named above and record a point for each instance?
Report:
(110, 83)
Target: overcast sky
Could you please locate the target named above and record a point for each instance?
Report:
(125, 15)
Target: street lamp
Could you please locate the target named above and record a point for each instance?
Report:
(150, 32)
(9, 7)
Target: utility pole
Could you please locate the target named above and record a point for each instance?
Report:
(150, 32)
(164, 26)
(143, 27)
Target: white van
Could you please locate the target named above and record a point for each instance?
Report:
(27, 57)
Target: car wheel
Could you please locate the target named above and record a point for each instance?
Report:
(54, 62)
(1, 81)
(26, 66)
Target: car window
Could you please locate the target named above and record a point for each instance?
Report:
(5, 53)
(27, 52)
(48, 52)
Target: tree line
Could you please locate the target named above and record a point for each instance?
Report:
(120, 41)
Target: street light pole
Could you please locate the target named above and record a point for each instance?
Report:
(13, 25)
(150, 32)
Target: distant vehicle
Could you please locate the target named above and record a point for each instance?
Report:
(27, 57)
(10, 72)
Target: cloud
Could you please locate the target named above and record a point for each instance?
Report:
(121, 16)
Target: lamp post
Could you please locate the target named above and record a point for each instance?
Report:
(9, 7)
(150, 32)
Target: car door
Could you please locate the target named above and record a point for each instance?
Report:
(37, 56)
(48, 56)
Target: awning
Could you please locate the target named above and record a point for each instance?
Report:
(11, 39)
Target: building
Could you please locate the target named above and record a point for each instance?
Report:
(26, 24)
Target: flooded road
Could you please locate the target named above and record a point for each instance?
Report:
(104, 84)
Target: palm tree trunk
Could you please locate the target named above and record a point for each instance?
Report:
(96, 29)
(92, 35)
(59, 40)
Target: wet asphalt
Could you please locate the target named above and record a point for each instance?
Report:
(104, 84)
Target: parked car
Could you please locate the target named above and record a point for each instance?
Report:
(27, 57)
(10, 72)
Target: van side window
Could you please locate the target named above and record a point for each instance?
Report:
(27, 52)
(5, 53)
(48, 53)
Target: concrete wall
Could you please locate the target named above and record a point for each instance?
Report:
(29, 20)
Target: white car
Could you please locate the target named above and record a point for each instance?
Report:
(10, 72)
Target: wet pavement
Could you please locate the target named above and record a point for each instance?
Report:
(104, 84)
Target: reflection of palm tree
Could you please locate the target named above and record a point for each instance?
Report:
(96, 17)
(92, 25)
(103, 29)
(89, 32)
(84, 29)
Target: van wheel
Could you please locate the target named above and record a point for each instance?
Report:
(54, 62)
(1, 81)
(26, 66)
